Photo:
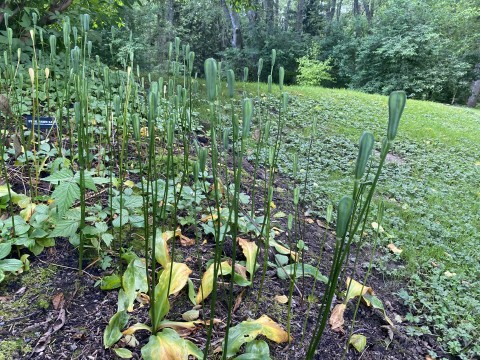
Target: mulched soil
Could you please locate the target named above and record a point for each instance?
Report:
(71, 324)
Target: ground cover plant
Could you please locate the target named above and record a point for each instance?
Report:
(207, 217)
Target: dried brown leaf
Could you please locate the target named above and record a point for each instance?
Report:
(336, 318)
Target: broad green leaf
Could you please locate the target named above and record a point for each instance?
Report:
(302, 269)
(10, 265)
(110, 282)
(283, 250)
(121, 220)
(354, 289)
(206, 286)
(60, 175)
(134, 279)
(358, 341)
(255, 350)
(178, 278)
(113, 330)
(5, 249)
(2, 275)
(376, 303)
(88, 181)
(249, 249)
(65, 195)
(161, 305)
(123, 353)
(168, 345)
(281, 259)
(3, 190)
(248, 330)
(65, 228)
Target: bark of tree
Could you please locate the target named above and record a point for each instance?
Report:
(300, 16)
(338, 11)
(232, 16)
(369, 7)
(356, 8)
(331, 9)
(475, 91)
(269, 14)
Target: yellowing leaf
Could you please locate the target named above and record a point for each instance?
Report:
(123, 353)
(178, 279)
(336, 320)
(449, 274)
(272, 205)
(272, 330)
(190, 315)
(161, 248)
(129, 183)
(282, 299)
(209, 217)
(377, 228)
(355, 289)
(394, 249)
(144, 131)
(138, 326)
(186, 241)
(358, 341)
(206, 286)
(250, 250)
(27, 213)
(168, 345)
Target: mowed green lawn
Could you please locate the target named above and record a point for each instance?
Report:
(431, 190)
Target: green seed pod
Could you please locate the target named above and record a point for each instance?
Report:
(136, 127)
(152, 111)
(10, 37)
(196, 170)
(260, 67)
(160, 84)
(66, 33)
(226, 133)
(269, 84)
(271, 156)
(281, 76)
(284, 102)
(364, 152)
(186, 51)
(78, 112)
(191, 60)
(170, 50)
(267, 129)
(274, 57)
(211, 78)
(85, 21)
(290, 222)
(296, 195)
(177, 46)
(396, 104)
(329, 213)
(295, 166)
(247, 114)
(245, 74)
(34, 18)
(5, 57)
(109, 127)
(5, 18)
(170, 87)
(149, 77)
(231, 83)
(19, 53)
(75, 35)
(117, 105)
(75, 56)
(345, 208)
(41, 35)
(202, 157)
(106, 76)
(89, 48)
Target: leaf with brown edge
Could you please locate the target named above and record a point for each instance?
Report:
(138, 326)
(354, 289)
(336, 320)
(358, 341)
(206, 286)
(168, 345)
(250, 250)
(186, 241)
(272, 330)
(179, 277)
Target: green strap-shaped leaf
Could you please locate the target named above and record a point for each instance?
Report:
(396, 104)
(113, 330)
(345, 208)
(366, 145)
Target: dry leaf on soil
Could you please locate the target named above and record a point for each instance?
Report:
(282, 299)
(336, 318)
(394, 249)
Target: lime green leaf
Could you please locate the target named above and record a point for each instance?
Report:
(2, 275)
(376, 303)
(123, 353)
(162, 306)
(206, 286)
(161, 247)
(134, 279)
(61, 175)
(112, 332)
(354, 289)
(302, 269)
(111, 282)
(358, 341)
(191, 292)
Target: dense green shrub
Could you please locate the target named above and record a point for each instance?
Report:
(312, 71)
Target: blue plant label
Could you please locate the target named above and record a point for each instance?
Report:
(44, 122)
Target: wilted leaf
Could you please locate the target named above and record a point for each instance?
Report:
(358, 341)
(161, 248)
(376, 303)
(355, 289)
(112, 332)
(138, 326)
(282, 299)
(168, 345)
(178, 278)
(377, 228)
(336, 318)
(123, 353)
(58, 301)
(394, 249)
(186, 241)
(190, 315)
(191, 292)
(238, 301)
(250, 250)
(206, 286)
(248, 330)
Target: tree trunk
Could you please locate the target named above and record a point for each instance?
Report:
(356, 8)
(331, 9)
(300, 16)
(369, 6)
(339, 10)
(473, 99)
(269, 15)
(232, 16)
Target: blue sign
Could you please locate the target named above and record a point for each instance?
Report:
(44, 122)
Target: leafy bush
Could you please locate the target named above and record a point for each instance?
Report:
(312, 71)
